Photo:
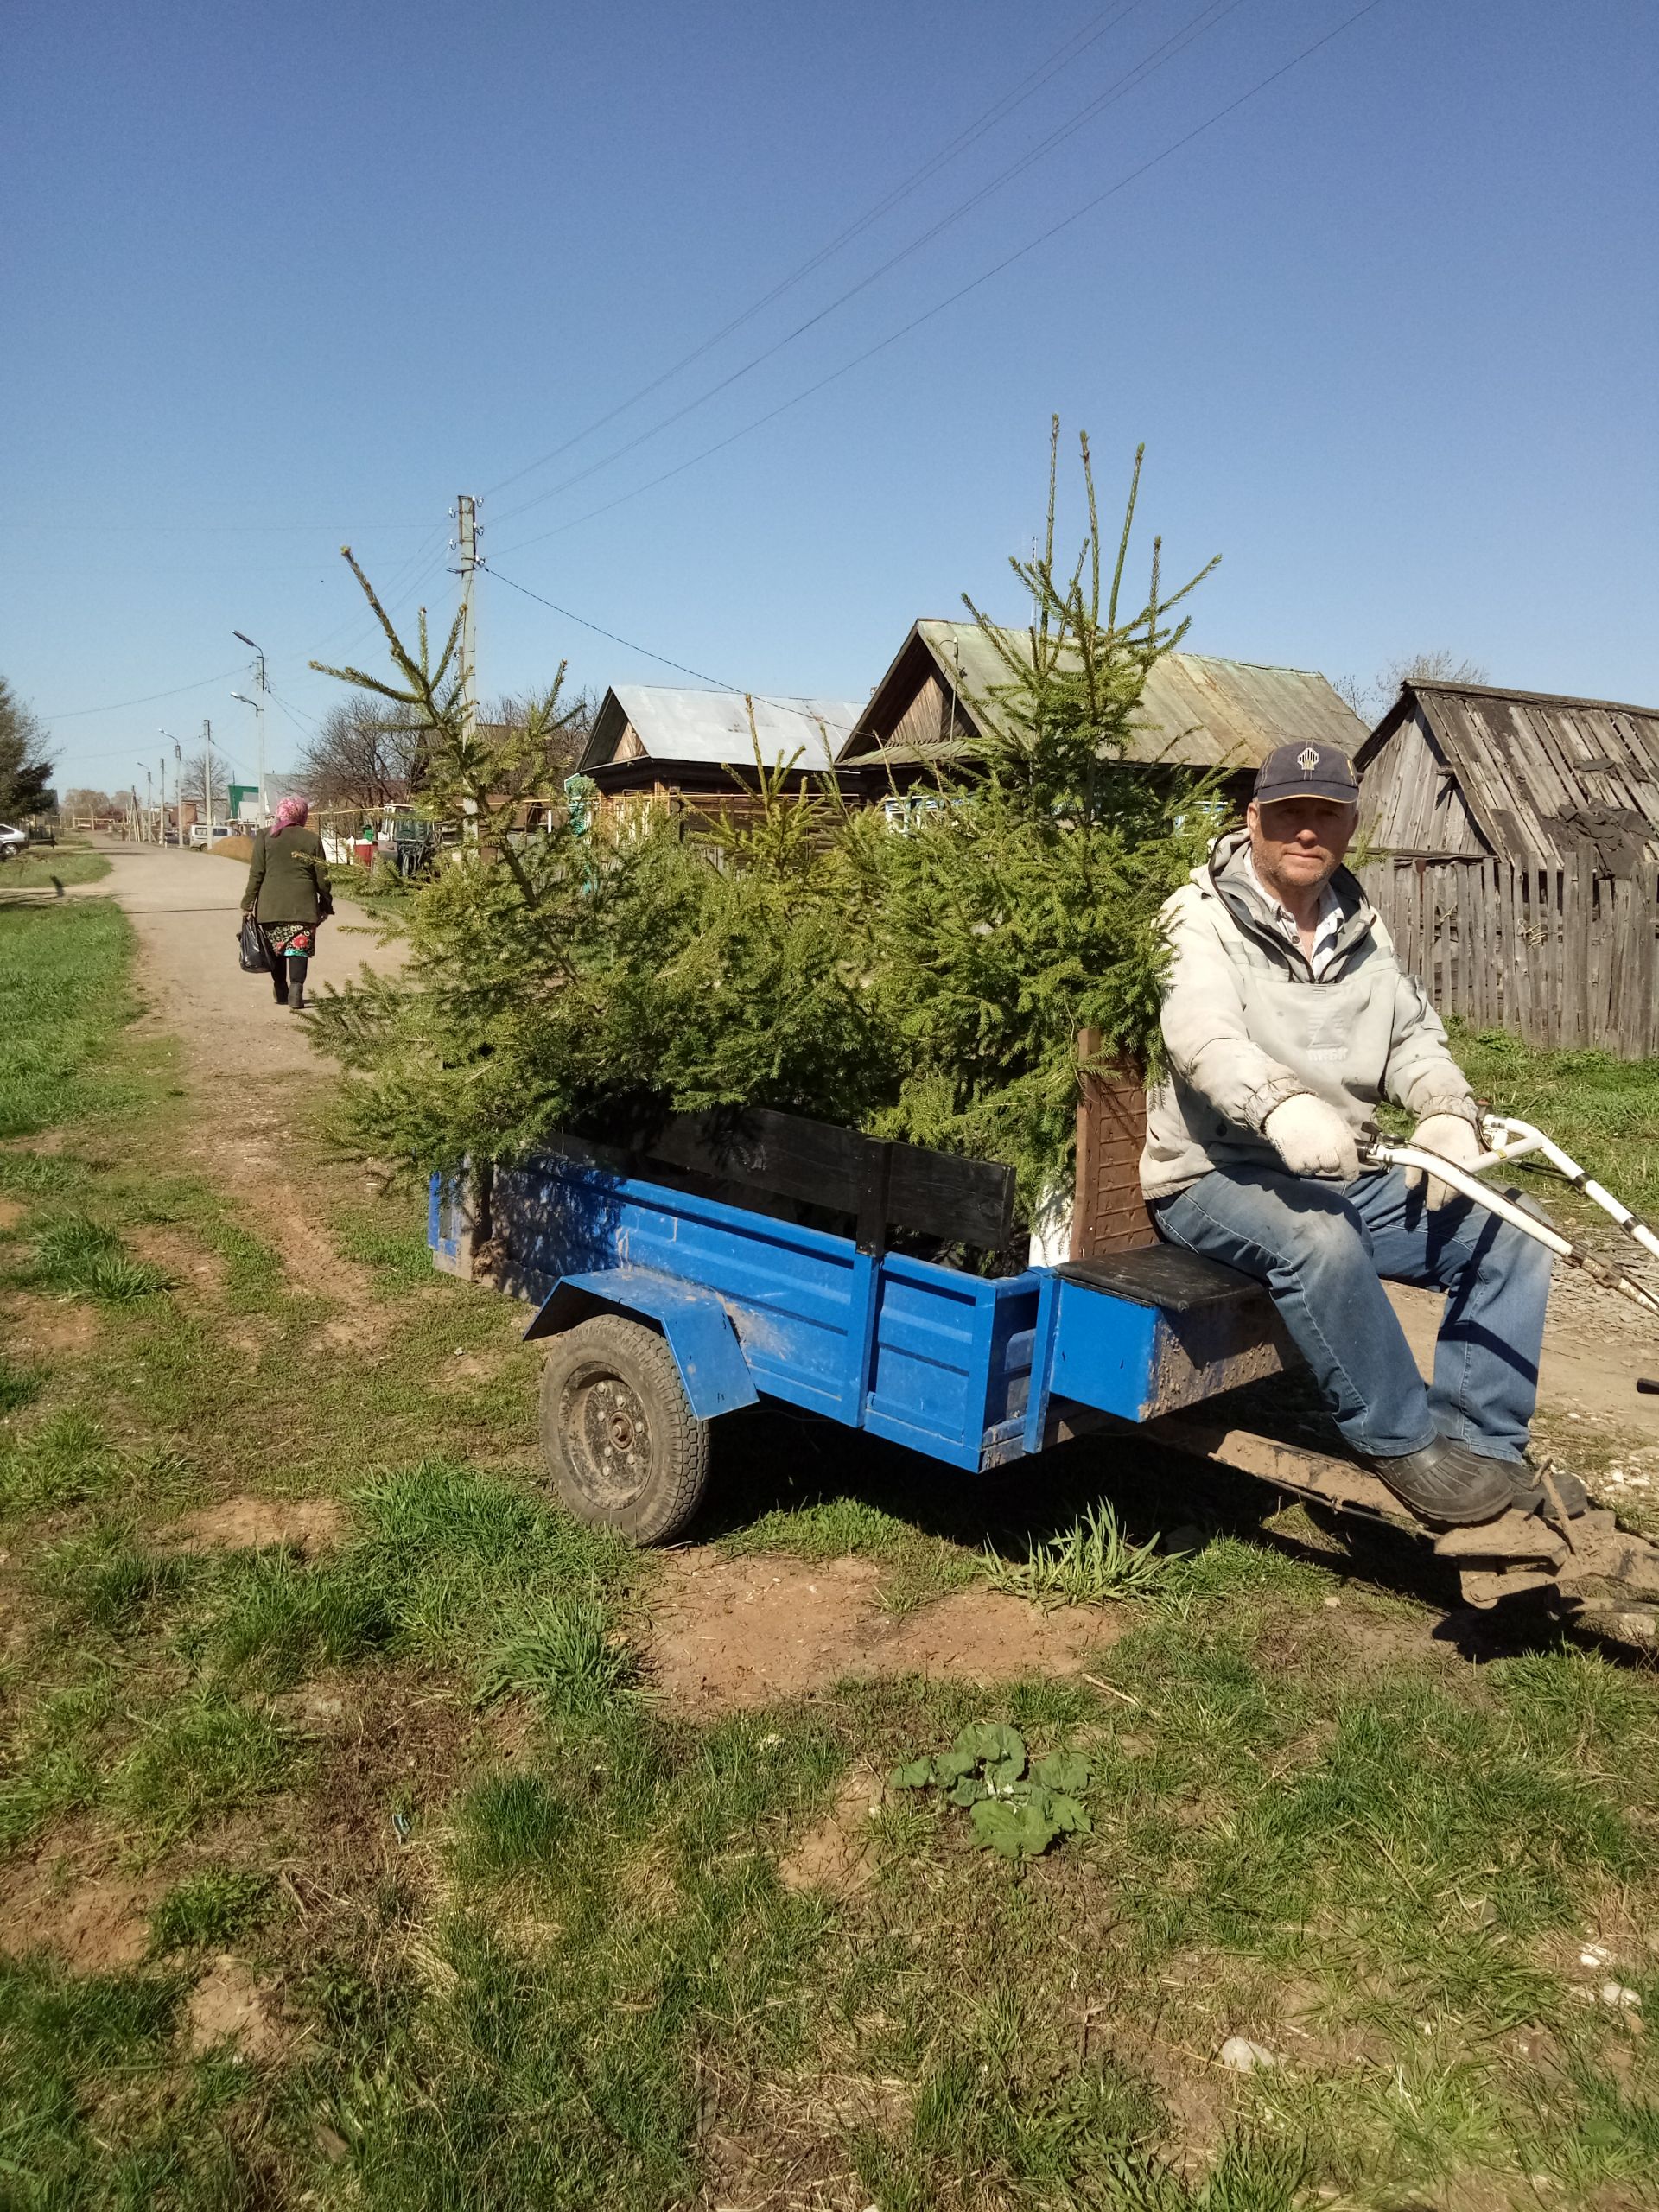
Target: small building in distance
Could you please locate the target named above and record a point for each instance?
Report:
(1196, 712)
(1513, 844)
(695, 751)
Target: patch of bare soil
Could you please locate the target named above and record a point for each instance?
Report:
(245, 1143)
(731, 1633)
(10, 1213)
(48, 1325)
(46, 1146)
(229, 2004)
(184, 1261)
(835, 1853)
(92, 1924)
(306, 1525)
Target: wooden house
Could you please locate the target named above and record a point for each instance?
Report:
(1196, 712)
(654, 745)
(1512, 843)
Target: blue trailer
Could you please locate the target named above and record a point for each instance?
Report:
(664, 1304)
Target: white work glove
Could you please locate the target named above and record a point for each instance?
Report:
(1455, 1139)
(1313, 1139)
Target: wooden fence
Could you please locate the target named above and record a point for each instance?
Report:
(1562, 957)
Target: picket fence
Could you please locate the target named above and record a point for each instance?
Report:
(1563, 957)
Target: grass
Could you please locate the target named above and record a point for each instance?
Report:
(208, 1909)
(1092, 1562)
(81, 1258)
(64, 984)
(1604, 1112)
(47, 866)
(536, 1938)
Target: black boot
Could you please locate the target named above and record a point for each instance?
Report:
(297, 986)
(279, 978)
(1529, 1493)
(1446, 1485)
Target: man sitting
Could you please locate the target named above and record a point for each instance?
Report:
(1286, 1017)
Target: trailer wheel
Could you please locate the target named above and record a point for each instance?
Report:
(622, 1445)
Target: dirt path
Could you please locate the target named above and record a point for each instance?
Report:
(186, 908)
(249, 1064)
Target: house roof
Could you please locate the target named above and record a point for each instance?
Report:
(1196, 711)
(1543, 776)
(711, 728)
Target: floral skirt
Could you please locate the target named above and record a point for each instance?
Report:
(290, 940)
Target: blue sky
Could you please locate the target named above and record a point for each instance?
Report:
(282, 276)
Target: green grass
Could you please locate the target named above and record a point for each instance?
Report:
(1092, 1562)
(82, 1258)
(209, 1908)
(64, 985)
(1603, 1111)
(37, 870)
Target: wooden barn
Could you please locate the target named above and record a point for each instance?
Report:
(654, 745)
(1197, 712)
(1513, 842)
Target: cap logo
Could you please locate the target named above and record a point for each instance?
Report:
(1307, 760)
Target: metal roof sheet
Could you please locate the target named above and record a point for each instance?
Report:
(713, 728)
(1524, 761)
(1196, 710)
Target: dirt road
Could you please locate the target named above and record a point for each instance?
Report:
(186, 907)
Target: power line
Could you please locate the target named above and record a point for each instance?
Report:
(1211, 13)
(74, 714)
(789, 706)
(962, 291)
(1078, 43)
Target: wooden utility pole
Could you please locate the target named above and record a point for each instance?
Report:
(467, 541)
(207, 775)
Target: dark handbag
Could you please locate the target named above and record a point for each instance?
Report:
(251, 948)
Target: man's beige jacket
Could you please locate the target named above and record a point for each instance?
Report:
(1246, 1026)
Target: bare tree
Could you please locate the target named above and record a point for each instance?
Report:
(190, 786)
(1371, 700)
(84, 800)
(364, 754)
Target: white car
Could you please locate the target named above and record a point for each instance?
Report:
(11, 841)
(200, 834)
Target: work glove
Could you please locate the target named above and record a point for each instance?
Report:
(1454, 1138)
(1313, 1139)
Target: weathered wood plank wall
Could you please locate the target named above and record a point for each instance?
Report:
(1566, 958)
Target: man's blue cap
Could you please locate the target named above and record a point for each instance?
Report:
(1306, 771)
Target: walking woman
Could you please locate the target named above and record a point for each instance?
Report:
(288, 895)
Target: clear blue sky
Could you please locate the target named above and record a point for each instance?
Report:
(279, 277)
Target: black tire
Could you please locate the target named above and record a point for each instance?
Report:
(622, 1445)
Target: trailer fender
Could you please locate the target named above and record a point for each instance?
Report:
(697, 1328)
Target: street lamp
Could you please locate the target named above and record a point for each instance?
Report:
(257, 704)
(260, 726)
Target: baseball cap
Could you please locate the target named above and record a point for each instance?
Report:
(1306, 771)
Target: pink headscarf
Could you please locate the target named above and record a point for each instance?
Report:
(289, 811)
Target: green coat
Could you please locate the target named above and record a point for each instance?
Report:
(289, 878)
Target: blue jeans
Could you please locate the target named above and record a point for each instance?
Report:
(1322, 1250)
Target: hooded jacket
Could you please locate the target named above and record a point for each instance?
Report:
(1247, 1025)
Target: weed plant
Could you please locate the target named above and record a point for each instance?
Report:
(81, 1257)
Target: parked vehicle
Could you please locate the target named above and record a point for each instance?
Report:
(678, 1282)
(12, 840)
(201, 833)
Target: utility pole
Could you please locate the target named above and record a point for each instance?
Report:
(467, 541)
(161, 818)
(257, 703)
(207, 774)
